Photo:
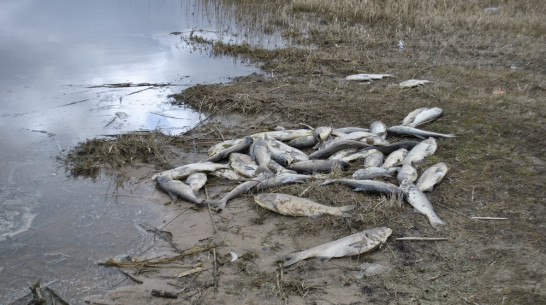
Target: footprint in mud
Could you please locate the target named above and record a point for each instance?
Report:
(16, 208)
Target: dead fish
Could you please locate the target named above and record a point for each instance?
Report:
(304, 142)
(240, 157)
(421, 151)
(431, 176)
(410, 117)
(354, 244)
(349, 129)
(407, 172)
(375, 159)
(395, 158)
(228, 174)
(335, 147)
(196, 181)
(246, 169)
(278, 169)
(259, 151)
(237, 191)
(361, 154)
(278, 148)
(420, 203)
(371, 186)
(419, 133)
(186, 170)
(379, 128)
(414, 83)
(322, 133)
(374, 172)
(243, 146)
(214, 149)
(296, 206)
(319, 166)
(387, 149)
(282, 179)
(343, 153)
(375, 140)
(283, 135)
(358, 135)
(367, 77)
(426, 116)
(176, 188)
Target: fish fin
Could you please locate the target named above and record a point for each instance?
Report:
(324, 259)
(436, 222)
(348, 208)
(173, 196)
(450, 135)
(292, 259)
(346, 215)
(419, 136)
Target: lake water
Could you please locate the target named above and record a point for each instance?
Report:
(51, 52)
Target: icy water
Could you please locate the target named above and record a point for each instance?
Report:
(52, 52)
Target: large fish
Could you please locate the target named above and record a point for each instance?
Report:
(304, 141)
(240, 147)
(410, 117)
(426, 116)
(283, 135)
(371, 186)
(319, 166)
(374, 172)
(419, 133)
(259, 151)
(420, 203)
(407, 172)
(395, 158)
(295, 206)
(237, 191)
(176, 188)
(354, 244)
(379, 128)
(361, 154)
(186, 170)
(247, 169)
(414, 83)
(387, 149)
(374, 159)
(431, 176)
(278, 147)
(196, 181)
(216, 148)
(282, 179)
(421, 151)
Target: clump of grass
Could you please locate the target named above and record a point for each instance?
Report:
(89, 157)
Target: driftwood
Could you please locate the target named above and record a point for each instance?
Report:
(45, 295)
(164, 294)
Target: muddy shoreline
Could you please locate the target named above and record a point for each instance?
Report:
(492, 99)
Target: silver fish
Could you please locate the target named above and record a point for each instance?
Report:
(374, 159)
(387, 149)
(322, 133)
(304, 142)
(237, 191)
(354, 244)
(176, 188)
(214, 149)
(367, 77)
(395, 158)
(342, 153)
(407, 172)
(419, 133)
(246, 169)
(421, 151)
(358, 135)
(283, 135)
(278, 147)
(320, 166)
(350, 129)
(259, 151)
(379, 128)
(240, 157)
(431, 176)
(426, 116)
(277, 168)
(196, 181)
(374, 172)
(296, 206)
(242, 146)
(188, 169)
(335, 147)
(372, 186)
(414, 83)
(228, 174)
(361, 154)
(410, 117)
(420, 203)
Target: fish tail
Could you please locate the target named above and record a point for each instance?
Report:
(294, 258)
(346, 208)
(436, 222)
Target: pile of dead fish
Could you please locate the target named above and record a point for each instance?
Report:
(266, 160)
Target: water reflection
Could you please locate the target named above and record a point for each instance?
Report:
(51, 53)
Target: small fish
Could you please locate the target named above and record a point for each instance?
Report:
(278, 147)
(419, 133)
(282, 179)
(186, 170)
(304, 141)
(228, 174)
(395, 158)
(243, 146)
(372, 186)
(259, 151)
(319, 166)
(196, 181)
(335, 147)
(349, 129)
(176, 188)
(343, 153)
(374, 172)
(379, 128)
(246, 169)
(276, 168)
(354, 244)
(240, 157)
(322, 133)
(407, 172)
(410, 117)
(414, 83)
(216, 148)
(374, 159)
(420, 203)
(367, 77)
(426, 116)
(421, 151)
(295, 206)
(387, 149)
(361, 154)
(237, 191)
(283, 135)
(357, 135)
(431, 176)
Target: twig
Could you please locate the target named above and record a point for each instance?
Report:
(285, 85)
(186, 273)
(167, 116)
(61, 300)
(305, 190)
(422, 238)
(134, 279)
(414, 75)
(488, 218)
(308, 126)
(452, 210)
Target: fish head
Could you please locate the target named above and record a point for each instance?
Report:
(162, 179)
(380, 234)
(405, 185)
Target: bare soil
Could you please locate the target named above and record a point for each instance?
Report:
(488, 73)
